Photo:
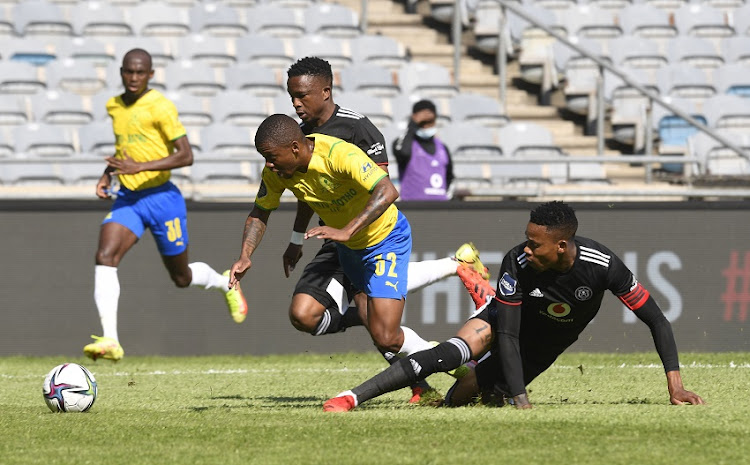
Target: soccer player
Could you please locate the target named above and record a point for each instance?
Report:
(320, 304)
(550, 288)
(150, 141)
(354, 197)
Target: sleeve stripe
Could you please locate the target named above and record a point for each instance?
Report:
(385, 175)
(635, 298)
(514, 304)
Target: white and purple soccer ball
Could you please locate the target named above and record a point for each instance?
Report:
(69, 388)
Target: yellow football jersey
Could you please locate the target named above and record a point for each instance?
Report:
(146, 130)
(337, 186)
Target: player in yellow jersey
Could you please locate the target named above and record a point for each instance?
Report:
(354, 198)
(150, 141)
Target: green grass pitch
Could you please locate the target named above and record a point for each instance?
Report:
(589, 409)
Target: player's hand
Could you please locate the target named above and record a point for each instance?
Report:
(683, 396)
(327, 232)
(521, 401)
(103, 186)
(238, 271)
(291, 257)
(124, 165)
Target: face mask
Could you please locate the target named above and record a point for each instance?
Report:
(426, 133)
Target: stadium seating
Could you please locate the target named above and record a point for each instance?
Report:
(428, 79)
(217, 19)
(13, 110)
(99, 19)
(467, 140)
(194, 111)
(694, 51)
(733, 78)
(43, 140)
(217, 52)
(376, 109)
(40, 18)
(636, 52)
(726, 111)
(265, 50)
(370, 79)
(378, 50)
(477, 109)
(227, 140)
(736, 49)
(238, 108)
(717, 159)
(20, 78)
(523, 138)
(96, 138)
(7, 28)
(159, 19)
(331, 20)
(682, 80)
(86, 50)
(276, 21)
(32, 50)
(581, 72)
(194, 77)
(63, 108)
(332, 49)
(78, 78)
(254, 79)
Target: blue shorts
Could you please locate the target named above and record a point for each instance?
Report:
(161, 209)
(381, 270)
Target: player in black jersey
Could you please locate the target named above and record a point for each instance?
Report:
(320, 304)
(550, 287)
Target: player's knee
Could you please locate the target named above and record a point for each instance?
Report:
(181, 280)
(388, 341)
(106, 257)
(303, 318)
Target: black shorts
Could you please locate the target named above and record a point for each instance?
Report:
(324, 279)
(489, 373)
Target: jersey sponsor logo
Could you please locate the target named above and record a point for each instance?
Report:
(262, 190)
(375, 149)
(507, 284)
(367, 166)
(584, 293)
(558, 310)
(328, 184)
(536, 293)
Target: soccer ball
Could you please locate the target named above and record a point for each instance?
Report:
(69, 388)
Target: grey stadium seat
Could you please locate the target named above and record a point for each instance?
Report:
(228, 140)
(193, 77)
(99, 18)
(469, 139)
(581, 72)
(33, 174)
(217, 19)
(330, 49)
(282, 104)
(644, 20)
(78, 78)
(43, 140)
(736, 49)
(741, 20)
(636, 52)
(20, 78)
(694, 51)
(519, 139)
(59, 107)
(702, 20)
(13, 110)
(7, 28)
(370, 79)
(207, 171)
(238, 108)
(193, 111)
(159, 19)
(378, 50)
(86, 172)
(32, 50)
(720, 160)
(428, 79)
(733, 78)
(628, 105)
(590, 21)
(97, 138)
(726, 111)
(41, 18)
(477, 109)
(277, 21)
(681, 80)
(254, 79)
(331, 20)
(217, 52)
(86, 50)
(264, 50)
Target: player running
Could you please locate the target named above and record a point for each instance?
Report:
(550, 288)
(150, 141)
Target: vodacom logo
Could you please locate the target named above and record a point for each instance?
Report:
(558, 310)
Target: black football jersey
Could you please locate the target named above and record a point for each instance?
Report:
(354, 128)
(556, 307)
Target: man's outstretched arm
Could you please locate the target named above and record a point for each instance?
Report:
(255, 227)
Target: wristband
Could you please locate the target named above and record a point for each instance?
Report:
(297, 238)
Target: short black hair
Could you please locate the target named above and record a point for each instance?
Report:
(311, 66)
(277, 130)
(424, 105)
(556, 215)
(140, 53)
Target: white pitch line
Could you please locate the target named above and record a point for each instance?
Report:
(243, 371)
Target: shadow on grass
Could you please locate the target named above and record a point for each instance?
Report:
(275, 402)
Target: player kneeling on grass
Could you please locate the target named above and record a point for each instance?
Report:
(550, 288)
